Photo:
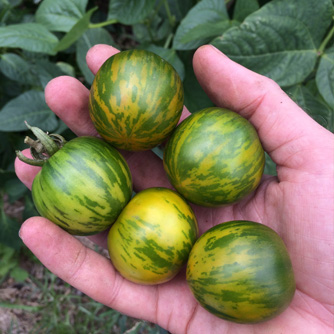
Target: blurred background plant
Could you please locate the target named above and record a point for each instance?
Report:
(288, 41)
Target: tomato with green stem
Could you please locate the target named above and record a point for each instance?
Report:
(83, 185)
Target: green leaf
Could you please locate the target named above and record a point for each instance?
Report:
(6, 175)
(6, 267)
(9, 229)
(59, 15)
(315, 16)
(178, 9)
(29, 207)
(16, 68)
(87, 40)
(204, 21)
(28, 36)
(15, 189)
(275, 46)
(243, 8)
(314, 106)
(169, 55)
(325, 76)
(128, 11)
(31, 107)
(269, 166)
(19, 274)
(66, 68)
(46, 71)
(157, 29)
(76, 31)
(194, 96)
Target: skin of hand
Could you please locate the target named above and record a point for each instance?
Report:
(298, 204)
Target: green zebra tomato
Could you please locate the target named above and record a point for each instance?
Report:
(83, 186)
(241, 271)
(214, 157)
(136, 100)
(152, 237)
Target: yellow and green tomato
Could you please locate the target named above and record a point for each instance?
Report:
(152, 237)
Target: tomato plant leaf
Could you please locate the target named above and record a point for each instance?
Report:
(66, 68)
(46, 70)
(205, 20)
(59, 15)
(28, 36)
(243, 8)
(288, 60)
(178, 9)
(129, 11)
(5, 175)
(314, 106)
(194, 96)
(15, 189)
(325, 76)
(84, 43)
(29, 207)
(9, 229)
(303, 11)
(19, 274)
(31, 107)
(157, 29)
(76, 31)
(16, 68)
(269, 165)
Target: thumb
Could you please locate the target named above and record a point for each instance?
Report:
(288, 134)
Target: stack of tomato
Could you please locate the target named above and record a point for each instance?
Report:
(239, 270)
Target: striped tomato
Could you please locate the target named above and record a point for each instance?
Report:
(83, 186)
(241, 271)
(214, 157)
(136, 100)
(151, 239)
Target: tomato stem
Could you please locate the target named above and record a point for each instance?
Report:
(41, 149)
(33, 162)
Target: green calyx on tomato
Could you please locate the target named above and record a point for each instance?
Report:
(41, 149)
(83, 184)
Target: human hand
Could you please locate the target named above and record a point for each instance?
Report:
(298, 204)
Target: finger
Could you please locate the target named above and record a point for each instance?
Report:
(68, 98)
(98, 54)
(286, 131)
(86, 270)
(26, 173)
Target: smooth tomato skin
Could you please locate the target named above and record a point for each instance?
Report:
(214, 158)
(136, 100)
(83, 187)
(152, 237)
(241, 271)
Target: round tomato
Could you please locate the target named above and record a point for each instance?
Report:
(82, 186)
(136, 100)
(152, 237)
(241, 271)
(214, 157)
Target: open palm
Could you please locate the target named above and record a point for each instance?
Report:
(298, 204)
